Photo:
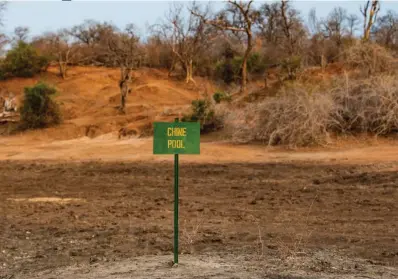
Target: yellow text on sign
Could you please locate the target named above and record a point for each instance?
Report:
(177, 132)
(175, 144)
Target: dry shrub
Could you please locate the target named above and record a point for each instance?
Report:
(302, 116)
(294, 118)
(240, 123)
(207, 113)
(369, 105)
(146, 130)
(221, 112)
(369, 58)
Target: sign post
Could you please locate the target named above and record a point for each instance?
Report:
(176, 138)
(176, 192)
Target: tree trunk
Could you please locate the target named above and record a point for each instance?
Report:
(124, 88)
(123, 97)
(388, 38)
(171, 69)
(367, 33)
(243, 84)
(323, 63)
(123, 102)
(266, 79)
(189, 72)
(62, 69)
(372, 14)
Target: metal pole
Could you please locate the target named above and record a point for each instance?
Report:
(176, 190)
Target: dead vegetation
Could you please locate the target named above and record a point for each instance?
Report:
(268, 50)
(369, 58)
(302, 116)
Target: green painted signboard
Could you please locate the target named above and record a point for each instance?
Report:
(176, 138)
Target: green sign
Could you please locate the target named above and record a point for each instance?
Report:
(176, 138)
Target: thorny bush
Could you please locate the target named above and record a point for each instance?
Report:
(302, 116)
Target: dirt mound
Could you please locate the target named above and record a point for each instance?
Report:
(89, 98)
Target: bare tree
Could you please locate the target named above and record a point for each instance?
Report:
(107, 46)
(268, 22)
(21, 33)
(3, 38)
(238, 18)
(90, 34)
(369, 12)
(313, 22)
(87, 32)
(352, 22)
(386, 30)
(291, 26)
(334, 25)
(3, 42)
(3, 6)
(186, 38)
(158, 52)
(65, 50)
(121, 50)
(61, 47)
(292, 34)
(317, 47)
(281, 26)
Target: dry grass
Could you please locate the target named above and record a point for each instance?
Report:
(190, 234)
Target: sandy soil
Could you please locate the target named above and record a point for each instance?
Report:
(109, 148)
(89, 98)
(277, 218)
(77, 202)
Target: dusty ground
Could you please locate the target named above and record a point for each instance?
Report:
(303, 215)
(216, 150)
(77, 202)
(89, 97)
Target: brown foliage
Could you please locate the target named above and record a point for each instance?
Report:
(302, 116)
(369, 58)
(238, 18)
(61, 48)
(368, 105)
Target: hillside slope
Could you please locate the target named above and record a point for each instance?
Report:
(89, 97)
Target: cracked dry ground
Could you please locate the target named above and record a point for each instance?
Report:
(57, 215)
